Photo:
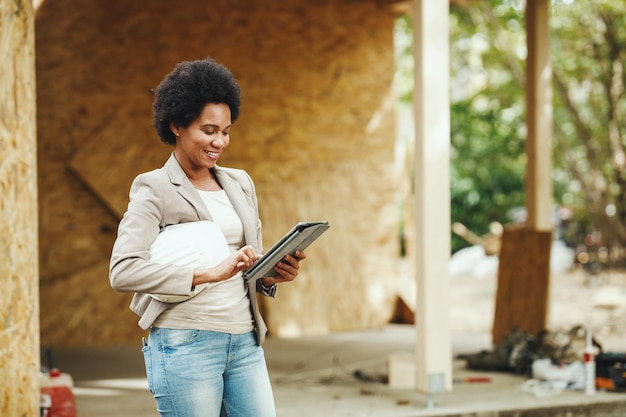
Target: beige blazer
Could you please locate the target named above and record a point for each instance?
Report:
(163, 197)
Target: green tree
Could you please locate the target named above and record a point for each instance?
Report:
(488, 52)
(589, 58)
(487, 127)
(487, 112)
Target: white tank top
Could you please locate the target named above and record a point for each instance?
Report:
(222, 306)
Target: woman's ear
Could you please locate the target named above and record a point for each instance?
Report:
(175, 130)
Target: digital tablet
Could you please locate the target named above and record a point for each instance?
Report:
(298, 238)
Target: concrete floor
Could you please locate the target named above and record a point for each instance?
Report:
(316, 377)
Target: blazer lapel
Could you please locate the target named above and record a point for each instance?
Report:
(185, 188)
(233, 190)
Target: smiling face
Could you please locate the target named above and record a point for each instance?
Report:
(199, 146)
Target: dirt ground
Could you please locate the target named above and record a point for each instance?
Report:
(576, 298)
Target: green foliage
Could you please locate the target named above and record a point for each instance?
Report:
(589, 59)
(487, 58)
(487, 116)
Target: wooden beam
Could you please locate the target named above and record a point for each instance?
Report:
(538, 116)
(524, 266)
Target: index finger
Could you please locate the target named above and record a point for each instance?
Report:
(249, 250)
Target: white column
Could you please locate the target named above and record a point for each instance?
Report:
(538, 116)
(432, 190)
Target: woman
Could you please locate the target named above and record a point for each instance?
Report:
(203, 355)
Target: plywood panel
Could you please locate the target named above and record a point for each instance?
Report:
(523, 282)
(108, 160)
(19, 308)
(316, 133)
(88, 313)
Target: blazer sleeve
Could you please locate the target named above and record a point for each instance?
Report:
(130, 269)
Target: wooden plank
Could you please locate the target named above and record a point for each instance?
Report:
(523, 282)
(19, 273)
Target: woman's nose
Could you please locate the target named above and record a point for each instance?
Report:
(218, 142)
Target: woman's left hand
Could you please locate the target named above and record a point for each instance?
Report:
(287, 269)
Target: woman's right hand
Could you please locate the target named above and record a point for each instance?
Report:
(239, 261)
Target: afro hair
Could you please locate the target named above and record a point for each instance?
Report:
(185, 91)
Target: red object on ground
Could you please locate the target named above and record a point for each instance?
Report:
(58, 386)
(474, 379)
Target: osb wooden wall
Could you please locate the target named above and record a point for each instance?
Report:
(19, 308)
(316, 133)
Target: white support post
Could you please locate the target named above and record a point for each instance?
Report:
(432, 189)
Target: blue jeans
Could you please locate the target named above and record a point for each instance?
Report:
(194, 373)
